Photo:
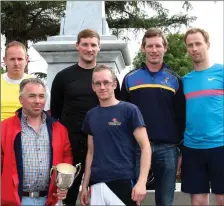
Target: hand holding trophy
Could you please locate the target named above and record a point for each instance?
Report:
(64, 176)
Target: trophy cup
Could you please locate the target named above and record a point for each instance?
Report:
(64, 176)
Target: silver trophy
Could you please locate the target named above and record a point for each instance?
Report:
(64, 176)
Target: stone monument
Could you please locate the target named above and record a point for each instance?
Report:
(60, 52)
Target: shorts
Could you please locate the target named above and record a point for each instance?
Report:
(117, 192)
(202, 170)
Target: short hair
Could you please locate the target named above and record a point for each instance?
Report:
(154, 32)
(16, 44)
(87, 33)
(30, 81)
(102, 67)
(197, 30)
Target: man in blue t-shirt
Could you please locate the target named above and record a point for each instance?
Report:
(114, 128)
(203, 151)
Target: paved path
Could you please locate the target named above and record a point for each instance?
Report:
(180, 198)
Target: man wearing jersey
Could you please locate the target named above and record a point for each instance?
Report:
(203, 151)
(15, 60)
(158, 92)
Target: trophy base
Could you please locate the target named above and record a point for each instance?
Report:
(60, 203)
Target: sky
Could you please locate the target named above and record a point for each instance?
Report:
(210, 18)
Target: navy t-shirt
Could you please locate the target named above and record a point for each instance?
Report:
(114, 143)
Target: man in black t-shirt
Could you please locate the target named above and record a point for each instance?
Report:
(72, 96)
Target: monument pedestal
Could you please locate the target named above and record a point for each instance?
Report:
(60, 52)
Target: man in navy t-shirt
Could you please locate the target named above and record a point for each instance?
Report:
(114, 128)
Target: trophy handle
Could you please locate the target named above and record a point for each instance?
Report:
(53, 167)
(79, 169)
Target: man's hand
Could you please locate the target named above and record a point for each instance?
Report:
(84, 197)
(61, 194)
(179, 167)
(139, 192)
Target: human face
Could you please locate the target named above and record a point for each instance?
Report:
(15, 60)
(104, 85)
(33, 99)
(154, 50)
(88, 49)
(197, 48)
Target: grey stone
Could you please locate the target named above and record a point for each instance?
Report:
(83, 14)
(60, 52)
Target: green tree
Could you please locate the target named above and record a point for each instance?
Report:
(2, 70)
(123, 15)
(176, 56)
(30, 20)
(35, 20)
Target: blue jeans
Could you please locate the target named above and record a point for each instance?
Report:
(164, 168)
(40, 201)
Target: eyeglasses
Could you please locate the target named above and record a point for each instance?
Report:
(105, 83)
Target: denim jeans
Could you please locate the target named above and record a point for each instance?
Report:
(164, 168)
(40, 201)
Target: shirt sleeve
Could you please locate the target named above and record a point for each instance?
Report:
(57, 96)
(136, 119)
(125, 95)
(85, 126)
(48, 98)
(117, 91)
(180, 109)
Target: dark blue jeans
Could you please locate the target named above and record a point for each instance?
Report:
(164, 168)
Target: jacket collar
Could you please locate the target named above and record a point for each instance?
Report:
(49, 119)
(144, 66)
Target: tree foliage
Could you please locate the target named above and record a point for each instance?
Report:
(2, 70)
(176, 56)
(30, 20)
(40, 75)
(35, 20)
(122, 15)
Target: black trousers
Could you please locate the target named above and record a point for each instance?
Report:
(79, 151)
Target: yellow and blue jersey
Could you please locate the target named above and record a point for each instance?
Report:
(160, 98)
(204, 92)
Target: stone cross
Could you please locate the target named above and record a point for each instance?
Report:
(80, 15)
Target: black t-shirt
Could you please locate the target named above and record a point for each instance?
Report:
(72, 96)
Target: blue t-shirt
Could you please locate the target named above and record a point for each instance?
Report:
(114, 143)
(204, 92)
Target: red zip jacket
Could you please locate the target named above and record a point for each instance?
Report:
(11, 158)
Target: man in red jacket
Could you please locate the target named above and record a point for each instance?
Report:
(31, 143)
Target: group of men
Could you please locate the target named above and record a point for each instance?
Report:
(156, 119)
